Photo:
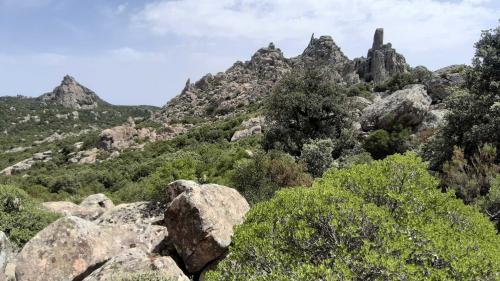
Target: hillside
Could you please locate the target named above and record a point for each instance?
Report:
(315, 167)
(30, 125)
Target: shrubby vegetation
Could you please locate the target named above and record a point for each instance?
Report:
(317, 154)
(467, 150)
(381, 221)
(381, 143)
(259, 177)
(419, 75)
(20, 216)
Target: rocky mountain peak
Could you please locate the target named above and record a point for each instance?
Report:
(323, 50)
(72, 94)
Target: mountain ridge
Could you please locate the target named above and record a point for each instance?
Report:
(245, 83)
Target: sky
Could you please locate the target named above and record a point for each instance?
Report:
(142, 52)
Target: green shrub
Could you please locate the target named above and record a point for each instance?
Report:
(317, 154)
(259, 177)
(386, 220)
(381, 143)
(20, 217)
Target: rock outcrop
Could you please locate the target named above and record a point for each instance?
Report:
(382, 61)
(71, 94)
(200, 222)
(250, 128)
(27, 163)
(90, 208)
(445, 80)
(129, 136)
(407, 107)
(137, 260)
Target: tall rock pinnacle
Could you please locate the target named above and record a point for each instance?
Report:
(382, 61)
(378, 39)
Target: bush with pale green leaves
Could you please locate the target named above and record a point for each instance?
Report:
(386, 220)
(317, 154)
(21, 217)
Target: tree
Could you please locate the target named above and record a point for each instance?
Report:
(305, 106)
(474, 118)
(386, 220)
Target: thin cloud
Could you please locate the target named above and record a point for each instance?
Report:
(419, 24)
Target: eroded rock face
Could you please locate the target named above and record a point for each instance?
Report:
(71, 248)
(71, 94)
(137, 260)
(200, 222)
(407, 107)
(90, 208)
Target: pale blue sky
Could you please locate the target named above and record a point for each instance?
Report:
(142, 52)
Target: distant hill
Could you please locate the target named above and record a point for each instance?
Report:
(71, 94)
(70, 109)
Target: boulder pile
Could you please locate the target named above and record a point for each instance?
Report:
(97, 241)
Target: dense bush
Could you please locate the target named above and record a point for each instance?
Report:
(317, 154)
(381, 143)
(259, 177)
(305, 106)
(381, 221)
(20, 217)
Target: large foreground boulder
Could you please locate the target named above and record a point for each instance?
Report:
(200, 222)
(137, 260)
(90, 208)
(71, 248)
(407, 107)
